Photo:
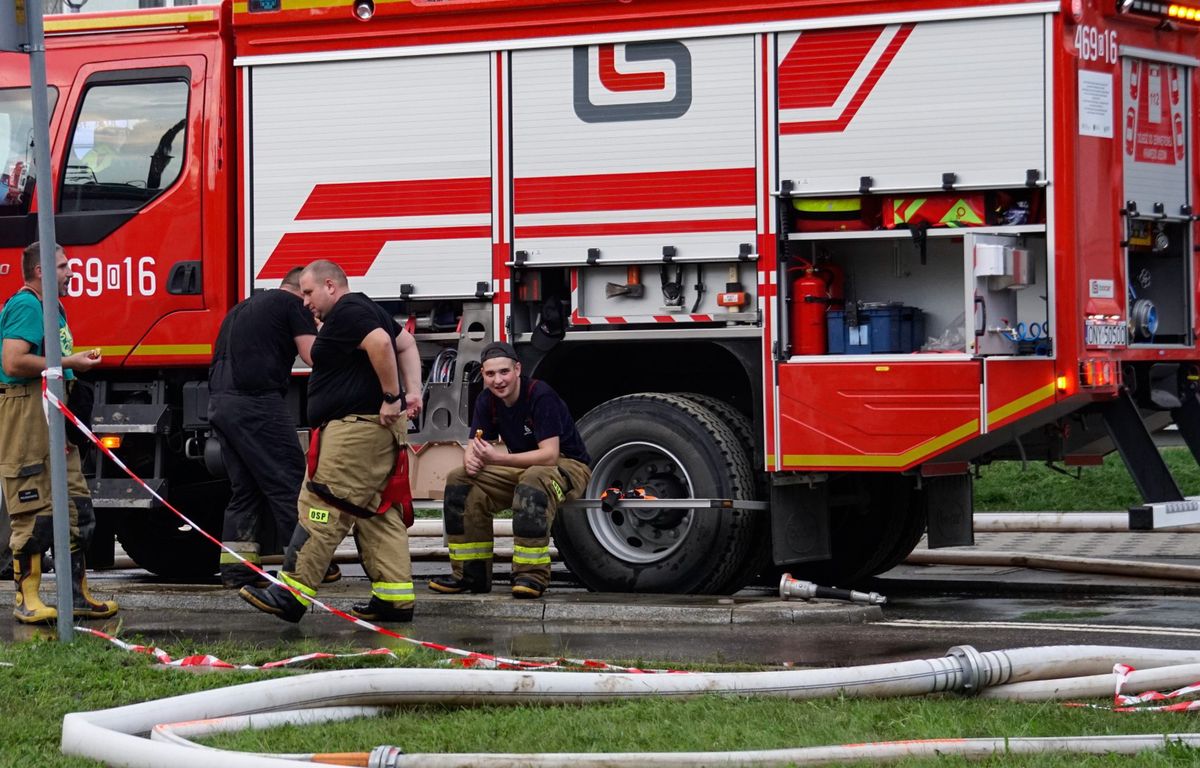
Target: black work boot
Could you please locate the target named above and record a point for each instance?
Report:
(274, 600)
(381, 610)
(236, 576)
(332, 574)
(83, 605)
(527, 588)
(476, 578)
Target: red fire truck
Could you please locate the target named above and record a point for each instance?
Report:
(799, 267)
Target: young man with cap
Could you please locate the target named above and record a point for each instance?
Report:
(25, 446)
(361, 357)
(545, 465)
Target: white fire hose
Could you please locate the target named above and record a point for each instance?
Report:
(117, 736)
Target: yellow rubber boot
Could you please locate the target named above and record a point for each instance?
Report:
(83, 605)
(28, 607)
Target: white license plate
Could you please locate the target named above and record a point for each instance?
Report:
(1113, 334)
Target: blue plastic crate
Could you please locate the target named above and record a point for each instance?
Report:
(890, 329)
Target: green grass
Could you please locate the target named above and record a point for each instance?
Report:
(48, 680)
(1005, 485)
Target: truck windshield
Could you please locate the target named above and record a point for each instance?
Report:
(17, 170)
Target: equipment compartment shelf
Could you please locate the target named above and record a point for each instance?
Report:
(906, 234)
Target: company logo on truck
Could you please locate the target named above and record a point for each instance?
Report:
(636, 81)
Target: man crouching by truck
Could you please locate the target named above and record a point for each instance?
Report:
(546, 464)
(25, 447)
(360, 358)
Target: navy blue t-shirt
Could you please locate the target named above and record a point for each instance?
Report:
(538, 414)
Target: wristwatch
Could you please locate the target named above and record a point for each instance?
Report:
(389, 398)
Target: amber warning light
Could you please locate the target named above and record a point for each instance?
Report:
(1175, 11)
(111, 442)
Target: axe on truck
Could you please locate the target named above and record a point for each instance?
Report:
(632, 288)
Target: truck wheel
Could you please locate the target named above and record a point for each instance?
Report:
(163, 544)
(870, 520)
(672, 448)
(910, 535)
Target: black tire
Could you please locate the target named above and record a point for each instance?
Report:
(907, 540)
(870, 519)
(163, 544)
(758, 561)
(674, 449)
(737, 421)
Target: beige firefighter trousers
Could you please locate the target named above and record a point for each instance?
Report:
(25, 469)
(358, 456)
(534, 494)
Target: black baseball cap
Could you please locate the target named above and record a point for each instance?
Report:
(498, 349)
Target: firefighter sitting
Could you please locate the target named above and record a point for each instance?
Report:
(546, 464)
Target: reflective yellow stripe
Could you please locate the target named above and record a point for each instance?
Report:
(108, 350)
(1021, 403)
(241, 6)
(925, 449)
(60, 24)
(146, 350)
(531, 555)
(471, 550)
(309, 591)
(229, 559)
(828, 204)
(393, 591)
(912, 208)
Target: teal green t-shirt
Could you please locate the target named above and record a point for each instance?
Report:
(21, 318)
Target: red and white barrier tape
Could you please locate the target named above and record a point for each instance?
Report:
(207, 660)
(1124, 703)
(466, 658)
(1127, 703)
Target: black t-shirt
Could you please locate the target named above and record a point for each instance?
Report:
(256, 345)
(343, 381)
(539, 413)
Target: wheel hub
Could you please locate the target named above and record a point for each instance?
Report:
(643, 535)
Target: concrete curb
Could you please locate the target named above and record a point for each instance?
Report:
(553, 608)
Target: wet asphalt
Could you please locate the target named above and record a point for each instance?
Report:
(930, 608)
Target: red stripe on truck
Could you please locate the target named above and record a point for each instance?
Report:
(634, 191)
(416, 197)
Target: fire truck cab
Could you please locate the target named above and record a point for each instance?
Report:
(799, 268)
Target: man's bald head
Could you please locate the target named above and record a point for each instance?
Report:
(322, 283)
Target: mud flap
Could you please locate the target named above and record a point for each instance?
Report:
(800, 523)
(949, 510)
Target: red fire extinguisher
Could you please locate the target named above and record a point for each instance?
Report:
(814, 291)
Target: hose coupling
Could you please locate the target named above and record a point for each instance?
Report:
(384, 757)
(975, 675)
(806, 590)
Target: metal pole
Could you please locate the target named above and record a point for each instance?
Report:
(45, 205)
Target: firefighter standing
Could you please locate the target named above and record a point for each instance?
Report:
(25, 448)
(359, 358)
(546, 464)
(248, 381)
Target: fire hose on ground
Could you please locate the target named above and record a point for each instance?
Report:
(117, 736)
(1057, 522)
